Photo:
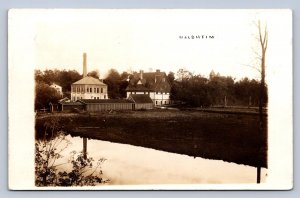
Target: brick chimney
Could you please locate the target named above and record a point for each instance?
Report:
(141, 74)
(84, 65)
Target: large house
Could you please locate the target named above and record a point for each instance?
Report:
(88, 87)
(154, 84)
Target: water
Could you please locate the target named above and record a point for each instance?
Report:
(128, 164)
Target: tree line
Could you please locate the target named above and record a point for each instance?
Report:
(196, 90)
(187, 88)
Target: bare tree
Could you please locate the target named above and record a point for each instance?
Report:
(263, 41)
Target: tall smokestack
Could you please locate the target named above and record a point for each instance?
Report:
(84, 65)
(141, 74)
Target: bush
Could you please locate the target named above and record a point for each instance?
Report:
(83, 173)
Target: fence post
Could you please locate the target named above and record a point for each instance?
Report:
(258, 174)
(84, 147)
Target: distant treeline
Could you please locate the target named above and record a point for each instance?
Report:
(196, 90)
(116, 83)
(187, 88)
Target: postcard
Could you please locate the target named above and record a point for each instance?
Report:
(150, 99)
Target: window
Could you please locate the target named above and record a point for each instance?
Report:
(97, 97)
(97, 90)
(101, 90)
(155, 102)
(104, 96)
(165, 102)
(94, 90)
(87, 90)
(157, 92)
(91, 90)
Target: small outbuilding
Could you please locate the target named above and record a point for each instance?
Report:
(141, 101)
(66, 104)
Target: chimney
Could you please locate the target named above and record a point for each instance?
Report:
(141, 74)
(157, 71)
(84, 65)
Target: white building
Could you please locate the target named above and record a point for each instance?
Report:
(57, 88)
(88, 87)
(154, 84)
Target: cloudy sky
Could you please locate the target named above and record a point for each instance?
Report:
(130, 40)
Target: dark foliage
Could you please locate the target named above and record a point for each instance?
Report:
(116, 84)
(195, 90)
(44, 94)
(63, 78)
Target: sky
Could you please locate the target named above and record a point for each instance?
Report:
(134, 40)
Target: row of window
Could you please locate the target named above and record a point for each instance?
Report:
(96, 98)
(158, 92)
(161, 102)
(149, 92)
(88, 89)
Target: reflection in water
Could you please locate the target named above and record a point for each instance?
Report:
(128, 164)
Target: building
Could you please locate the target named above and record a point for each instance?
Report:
(88, 87)
(92, 105)
(57, 88)
(141, 101)
(155, 84)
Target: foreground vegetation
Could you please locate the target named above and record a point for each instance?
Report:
(229, 137)
(50, 172)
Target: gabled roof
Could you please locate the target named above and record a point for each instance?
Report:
(88, 80)
(140, 98)
(137, 87)
(65, 99)
(97, 101)
(153, 81)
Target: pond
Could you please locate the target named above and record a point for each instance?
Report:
(127, 164)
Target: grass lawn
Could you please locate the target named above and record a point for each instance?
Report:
(229, 137)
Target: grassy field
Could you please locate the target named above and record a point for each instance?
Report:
(214, 135)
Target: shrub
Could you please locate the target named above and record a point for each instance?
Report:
(83, 173)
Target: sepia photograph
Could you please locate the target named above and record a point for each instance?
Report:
(150, 99)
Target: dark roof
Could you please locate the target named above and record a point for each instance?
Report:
(140, 98)
(137, 87)
(97, 101)
(151, 81)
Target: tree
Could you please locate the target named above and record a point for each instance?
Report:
(171, 77)
(44, 94)
(183, 74)
(66, 78)
(113, 81)
(94, 74)
(263, 40)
